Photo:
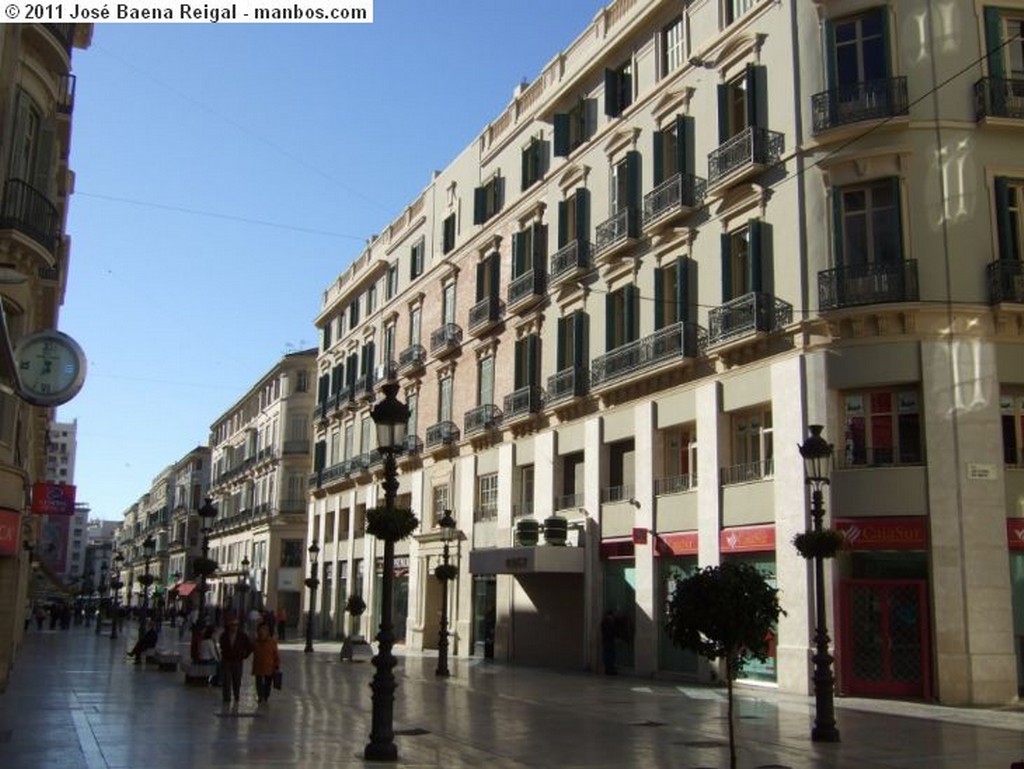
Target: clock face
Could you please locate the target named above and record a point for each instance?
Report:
(51, 367)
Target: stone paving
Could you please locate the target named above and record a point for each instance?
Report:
(75, 701)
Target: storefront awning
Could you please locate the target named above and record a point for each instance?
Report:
(185, 588)
(527, 560)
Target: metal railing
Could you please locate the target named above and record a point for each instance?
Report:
(1005, 281)
(27, 210)
(364, 387)
(567, 383)
(748, 471)
(747, 314)
(999, 97)
(441, 433)
(481, 418)
(569, 501)
(874, 283)
(571, 259)
(871, 100)
(525, 400)
(620, 226)
(412, 357)
(526, 286)
(622, 493)
(676, 342)
(678, 192)
(484, 313)
(448, 337)
(675, 484)
(751, 146)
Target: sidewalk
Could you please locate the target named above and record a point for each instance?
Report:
(75, 702)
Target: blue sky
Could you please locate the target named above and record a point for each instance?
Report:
(226, 174)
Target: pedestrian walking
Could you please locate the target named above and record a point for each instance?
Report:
(265, 662)
(609, 632)
(209, 655)
(282, 621)
(235, 647)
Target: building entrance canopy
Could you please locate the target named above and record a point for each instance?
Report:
(527, 560)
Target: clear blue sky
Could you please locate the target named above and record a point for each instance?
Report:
(226, 174)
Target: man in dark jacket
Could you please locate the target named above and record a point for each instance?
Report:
(235, 646)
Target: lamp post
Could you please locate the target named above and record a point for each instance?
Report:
(102, 590)
(447, 524)
(243, 588)
(312, 583)
(148, 545)
(391, 417)
(817, 455)
(172, 598)
(206, 515)
(116, 584)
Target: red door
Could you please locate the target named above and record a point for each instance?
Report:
(884, 650)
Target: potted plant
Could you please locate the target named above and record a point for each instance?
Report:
(354, 607)
(824, 543)
(527, 532)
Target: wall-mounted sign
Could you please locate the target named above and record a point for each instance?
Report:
(747, 539)
(1015, 533)
(900, 533)
(53, 498)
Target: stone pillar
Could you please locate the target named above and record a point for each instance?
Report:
(648, 603)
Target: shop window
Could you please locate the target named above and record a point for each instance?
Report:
(1011, 407)
(487, 497)
(882, 427)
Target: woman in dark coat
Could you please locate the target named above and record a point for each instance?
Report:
(235, 646)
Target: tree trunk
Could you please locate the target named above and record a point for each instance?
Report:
(732, 734)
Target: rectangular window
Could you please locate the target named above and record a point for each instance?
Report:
(371, 299)
(1009, 194)
(326, 334)
(618, 89)
(869, 224)
(415, 317)
(350, 451)
(413, 402)
(485, 381)
(444, 402)
(734, 9)
(488, 199)
(882, 427)
(529, 249)
(524, 506)
(441, 503)
(392, 282)
(859, 53)
(532, 162)
(448, 237)
(679, 446)
(672, 46)
(487, 497)
(667, 310)
(291, 553)
(621, 471)
(622, 317)
(353, 315)
(416, 256)
(448, 303)
(573, 128)
(752, 449)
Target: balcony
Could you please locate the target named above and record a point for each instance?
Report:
(526, 290)
(857, 102)
(320, 411)
(441, 434)
(336, 472)
(622, 493)
(481, 419)
(569, 501)
(363, 390)
(747, 471)
(674, 343)
(674, 484)
(567, 384)
(875, 283)
(63, 34)
(446, 340)
(616, 233)
(999, 97)
(746, 315)
(672, 199)
(28, 211)
(748, 153)
(342, 399)
(484, 315)
(570, 262)
(521, 403)
(413, 446)
(65, 94)
(1005, 281)
(412, 359)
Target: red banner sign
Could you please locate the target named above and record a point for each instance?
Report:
(1015, 533)
(639, 536)
(676, 543)
(747, 539)
(906, 533)
(53, 498)
(10, 539)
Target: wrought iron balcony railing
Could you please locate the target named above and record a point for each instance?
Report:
(27, 210)
(484, 314)
(872, 100)
(875, 283)
(482, 418)
(446, 339)
(413, 445)
(320, 410)
(678, 194)
(999, 97)
(442, 433)
(676, 342)
(675, 484)
(66, 94)
(525, 400)
(622, 493)
(748, 471)
(1005, 281)
(364, 387)
(412, 358)
(343, 398)
(749, 148)
(570, 260)
(569, 501)
(619, 228)
(525, 288)
(567, 384)
(748, 314)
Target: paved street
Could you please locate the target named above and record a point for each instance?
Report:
(74, 701)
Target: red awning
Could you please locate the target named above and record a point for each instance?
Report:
(185, 588)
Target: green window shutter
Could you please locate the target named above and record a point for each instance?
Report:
(540, 246)
(517, 255)
(883, 14)
(583, 215)
(563, 225)
(337, 375)
(633, 192)
(724, 129)
(519, 376)
(580, 321)
(632, 313)
(683, 290)
(525, 168)
(319, 455)
(659, 299)
(839, 255)
(659, 157)
(561, 141)
(494, 268)
(994, 42)
(323, 388)
(44, 177)
(560, 351)
(611, 93)
(481, 277)
(899, 217)
(1004, 226)
(726, 267)
(829, 44)
(757, 96)
(610, 319)
(684, 141)
(352, 369)
(370, 356)
(755, 228)
(533, 360)
(479, 205)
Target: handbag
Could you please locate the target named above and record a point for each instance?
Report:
(277, 679)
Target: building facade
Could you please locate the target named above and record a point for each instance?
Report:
(36, 104)
(260, 454)
(60, 468)
(703, 228)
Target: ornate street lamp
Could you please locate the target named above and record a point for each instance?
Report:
(102, 590)
(312, 583)
(444, 573)
(817, 454)
(204, 567)
(149, 546)
(391, 417)
(116, 584)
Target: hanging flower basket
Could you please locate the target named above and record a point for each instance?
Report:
(825, 543)
(204, 567)
(146, 580)
(355, 605)
(390, 525)
(446, 571)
